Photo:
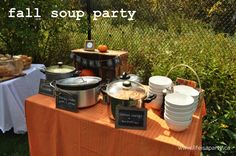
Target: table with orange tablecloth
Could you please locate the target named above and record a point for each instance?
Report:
(90, 132)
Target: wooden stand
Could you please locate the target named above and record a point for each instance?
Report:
(107, 73)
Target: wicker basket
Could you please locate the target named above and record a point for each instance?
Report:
(11, 67)
(200, 90)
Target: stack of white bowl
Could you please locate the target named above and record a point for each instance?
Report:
(156, 85)
(183, 89)
(179, 109)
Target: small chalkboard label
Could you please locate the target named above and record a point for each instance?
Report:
(45, 88)
(66, 101)
(131, 118)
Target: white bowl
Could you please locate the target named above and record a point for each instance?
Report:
(180, 106)
(157, 87)
(178, 114)
(177, 109)
(177, 118)
(183, 89)
(156, 92)
(180, 100)
(177, 125)
(160, 81)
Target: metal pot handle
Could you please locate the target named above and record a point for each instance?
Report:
(149, 98)
(58, 89)
(76, 73)
(42, 70)
(81, 79)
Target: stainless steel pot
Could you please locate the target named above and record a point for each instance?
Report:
(58, 72)
(125, 93)
(86, 88)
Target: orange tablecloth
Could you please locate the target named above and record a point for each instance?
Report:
(90, 132)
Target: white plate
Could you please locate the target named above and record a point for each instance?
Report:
(154, 92)
(183, 89)
(157, 87)
(160, 81)
(179, 100)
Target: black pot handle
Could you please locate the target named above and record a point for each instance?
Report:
(149, 98)
(106, 99)
(103, 89)
(42, 70)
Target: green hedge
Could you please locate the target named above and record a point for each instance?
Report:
(153, 52)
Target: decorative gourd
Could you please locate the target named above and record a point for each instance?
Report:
(102, 48)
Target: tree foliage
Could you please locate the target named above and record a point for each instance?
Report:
(37, 37)
(221, 14)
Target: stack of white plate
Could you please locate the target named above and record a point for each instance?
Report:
(182, 89)
(156, 85)
(179, 109)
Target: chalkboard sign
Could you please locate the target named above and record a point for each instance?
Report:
(131, 118)
(66, 101)
(45, 88)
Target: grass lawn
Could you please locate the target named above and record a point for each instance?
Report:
(13, 144)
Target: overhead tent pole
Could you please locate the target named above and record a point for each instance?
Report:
(88, 18)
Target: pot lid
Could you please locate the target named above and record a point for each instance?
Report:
(126, 90)
(60, 68)
(78, 83)
(130, 77)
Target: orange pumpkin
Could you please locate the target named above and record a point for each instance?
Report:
(87, 72)
(102, 48)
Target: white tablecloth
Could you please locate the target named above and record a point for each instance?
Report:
(12, 97)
